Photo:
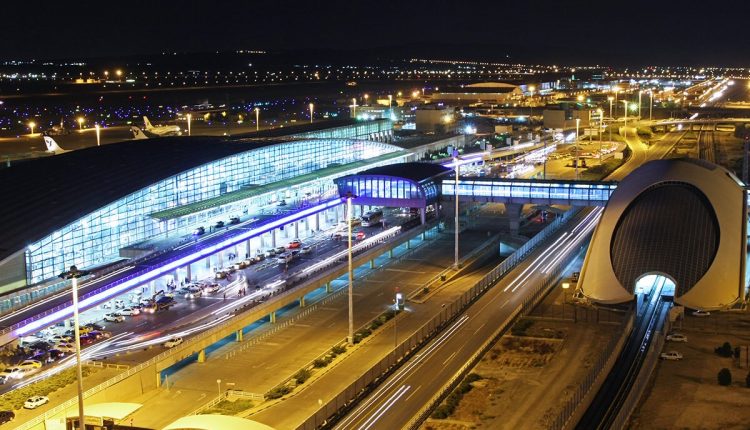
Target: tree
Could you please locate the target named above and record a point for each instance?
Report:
(725, 377)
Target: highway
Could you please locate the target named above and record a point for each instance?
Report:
(401, 396)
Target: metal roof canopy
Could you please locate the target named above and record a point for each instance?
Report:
(215, 422)
(111, 410)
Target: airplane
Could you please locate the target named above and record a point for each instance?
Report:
(52, 146)
(162, 130)
(57, 130)
(137, 133)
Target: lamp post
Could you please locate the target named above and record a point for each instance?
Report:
(639, 104)
(390, 103)
(455, 197)
(650, 104)
(98, 135)
(312, 108)
(626, 114)
(80, 123)
(349, 197)
(578, 122)
(354, 107)
(257, 119)
(190, 121)
(531, 106)
(218, 382)
(601, 119)
(565, 287)
(32, 124)
(73, 274)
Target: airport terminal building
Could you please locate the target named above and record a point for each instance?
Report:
(91, 204)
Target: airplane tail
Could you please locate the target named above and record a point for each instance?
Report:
(147, 123)
(52, 146)
(137, 133)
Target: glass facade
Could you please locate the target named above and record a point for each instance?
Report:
(383, 190)
(368, 129)
(98, 237)
(595, 194)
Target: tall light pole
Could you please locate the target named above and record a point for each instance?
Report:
(354, 107)
(639, 104)
(257, 119)
(80, 123)
(617, 90)
(351, 274)
(218, 382)
(32, 124)
(312, 108)
(73, 274)
(610, 98)
(531, 106)
(390, 103)
(455, 197)
(650, 104)
(601, 119)
(578, 122)
(98, 135)
(190, 121)
(626, 113)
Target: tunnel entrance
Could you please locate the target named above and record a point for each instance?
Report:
(651, 281)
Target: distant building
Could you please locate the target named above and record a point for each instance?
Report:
(435, 119)
(564, 116)
(484, 92)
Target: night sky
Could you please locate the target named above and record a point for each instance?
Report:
(624, 32)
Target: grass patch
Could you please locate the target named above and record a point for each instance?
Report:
(16, 398)
(225, 407)
(451, 402)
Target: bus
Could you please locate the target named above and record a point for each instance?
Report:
(372, 218)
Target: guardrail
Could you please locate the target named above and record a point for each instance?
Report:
(188, 344)
(381, 370)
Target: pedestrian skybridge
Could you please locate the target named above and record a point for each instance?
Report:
(523, 191)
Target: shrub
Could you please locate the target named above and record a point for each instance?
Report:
(338, 349)
(278, 392)
(725, 377)
(724, 350)
(451, 403)
(320, 362)
(302, 376)
(519, 328)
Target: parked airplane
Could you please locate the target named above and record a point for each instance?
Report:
(137, 133)
(52, 146)
(161, 130)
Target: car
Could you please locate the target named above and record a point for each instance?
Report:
(239, 265)
(30, 364)
(219, 224)
(671, 355)
(65, 347)
(119, 304)
(87, 339)
(285, 258)
(280, 250)
(700, 313)
(296, 243)
(234, 220)
(249, 262)
(193, 293)
(211, 288)
(8, 374)
(220, 274)
(361, 235)
(171, 343)
(94, 326)
(677, 337)
(130, 311)
(60, 338)
(270, 253)
(114, 317)
(259, 257)
(306, 249)
(6, 416)
(199, 231)
(281, 203)
(34, 402)
(100, 334)
(54, 355)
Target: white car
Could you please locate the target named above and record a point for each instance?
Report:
(171, 343)
(60, 338)
(194, 292)
(306, 249)
(30, 364)
(677, 337)
(35, 401)
(671, 355)
(130, 311)
(700, 313)
(65, 347)
(114, 318)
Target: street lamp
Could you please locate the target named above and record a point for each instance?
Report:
(626, 114)
(312, 108)
(349, 198)
(640, 92)
(366, 96)
(189, 121)
(531, 99)
(610, 98)
(650, 104)
(390, 103)
(32, 124)
(257, 119)
(354, 107)
(80, 122)
(565, 287)
(455, 197)
(218, 382)
(73, 274)
(98, 136)
(578, 123)
(601, 119)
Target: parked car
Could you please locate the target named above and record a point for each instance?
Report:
(87, 339)
(239, 265)
(8, 374)
(677, 337)
(54, 355)
(60, 338)
(270, 253)
(284, 258)
(671, 355)
(234, 220)
(171, 343)
(30, 364)
(130, 311)
(220, 274)
(211, 288)
(306, 249)
(296, 243)
(700, 313)
(65, 347)
(94, 326)
(35, 401)
(6, 416)
(199, 231)
(280, 250)
(281, 203)
(101, 334)
(259, 257)
(114, 317)
(193, 293)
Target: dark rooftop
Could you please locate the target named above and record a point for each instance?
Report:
(413, 171)
(299, 128)
(43, 195)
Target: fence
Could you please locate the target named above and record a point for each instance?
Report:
(377, 373)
